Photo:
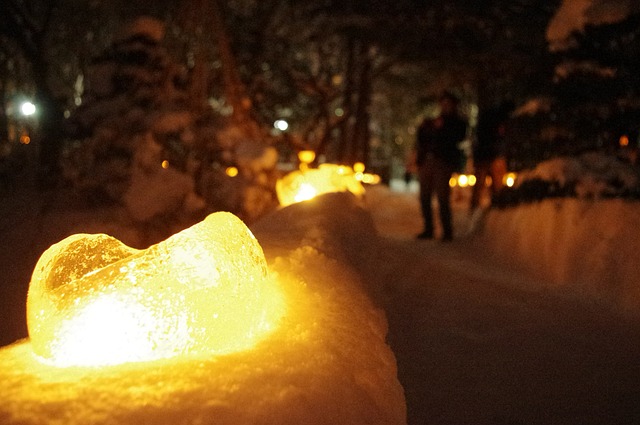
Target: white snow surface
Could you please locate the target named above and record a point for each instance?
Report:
(528, 317)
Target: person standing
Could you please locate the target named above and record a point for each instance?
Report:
(489, 151)
(438, 156)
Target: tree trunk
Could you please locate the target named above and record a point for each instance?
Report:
(4, 121)
(50, 133)
(347, 104)
(235, 91)
(361, 134)
(193, 20)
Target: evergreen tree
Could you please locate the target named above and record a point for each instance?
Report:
(141, 142)
(593, 96)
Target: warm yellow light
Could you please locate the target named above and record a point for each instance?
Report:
(472, 180)
(369, 178)
(463, 180)
(453, 181)
(231, 171)
(305, 193)
(358, 167)
(305, 184)
(306, 156)
(510, 179)
(25, 139)
(95, 301)
(165, 164)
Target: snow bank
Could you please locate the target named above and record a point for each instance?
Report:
(326, 363)
(576, 222)
(591, 174)
(587, 247)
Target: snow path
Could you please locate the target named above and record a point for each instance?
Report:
(477, 343)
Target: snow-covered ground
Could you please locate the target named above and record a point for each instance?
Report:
(479, 336)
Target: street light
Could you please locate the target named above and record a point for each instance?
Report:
(27, 109)
(281, 125)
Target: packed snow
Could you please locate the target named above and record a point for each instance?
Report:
(528, 317)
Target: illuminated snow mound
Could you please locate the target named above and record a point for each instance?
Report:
(325, 362)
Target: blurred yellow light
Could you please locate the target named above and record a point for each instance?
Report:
(165, 164)
(306, 156)
(25, 139)
(510, 179)
(95, 301)
(369, 178)
(305, 184)
(463, 180)
(231, 171)
(472, 180)
(453, 181)
(358, 167)
(305, 193)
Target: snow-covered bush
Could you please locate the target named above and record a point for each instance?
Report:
(590, 175)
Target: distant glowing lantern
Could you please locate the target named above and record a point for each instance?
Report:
(509, 179)
(95, 301)
(25, 139)
(305, 184)
(231, 171)
(463, 180)
(369, 178)
(306, 157)
(28, 109)
(358, 167)
(165, 164)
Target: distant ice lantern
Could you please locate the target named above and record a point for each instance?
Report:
(307, 183)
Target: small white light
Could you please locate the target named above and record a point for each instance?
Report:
(281, 125)
(28, 108)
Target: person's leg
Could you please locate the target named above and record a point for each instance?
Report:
(443, 192)
(498, 171)
(479, 189)
(425, 176)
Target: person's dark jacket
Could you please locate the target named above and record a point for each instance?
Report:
(440, 137)
(490, 133)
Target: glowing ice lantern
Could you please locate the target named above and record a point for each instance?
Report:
(509, 179)
(305, 184)
(95, 301)
(306, 157)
